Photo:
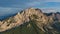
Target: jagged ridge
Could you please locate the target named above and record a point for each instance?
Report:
(43, 21)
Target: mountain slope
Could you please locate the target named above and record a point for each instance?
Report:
(33, 18)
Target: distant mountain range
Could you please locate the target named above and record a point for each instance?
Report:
(48, 23)
(6, 16)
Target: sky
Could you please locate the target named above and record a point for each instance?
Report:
(13, 6)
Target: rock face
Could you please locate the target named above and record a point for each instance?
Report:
(43, 21)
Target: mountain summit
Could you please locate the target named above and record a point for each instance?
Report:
(44, 22)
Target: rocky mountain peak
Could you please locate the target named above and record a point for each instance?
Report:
(42, 20)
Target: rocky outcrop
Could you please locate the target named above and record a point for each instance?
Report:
(42, 20)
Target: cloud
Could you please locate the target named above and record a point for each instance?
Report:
(11, 6)
(4, 10)
(52, 0)
(34, 3)
(49, 10)
(49, 0)
(24, 3)
(40, 4)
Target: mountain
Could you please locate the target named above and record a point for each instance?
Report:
(31, 20)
